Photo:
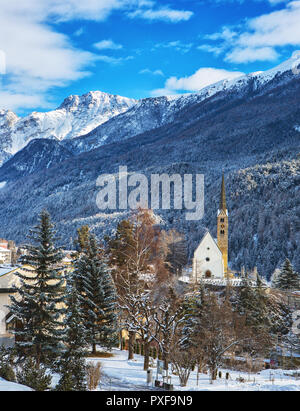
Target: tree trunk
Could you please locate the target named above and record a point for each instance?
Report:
(94, 351)
(121, 340)
(146, 356)
(166, 352)
(38, 356)
(213, 373)
(131, 345)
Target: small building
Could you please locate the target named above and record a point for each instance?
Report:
(5, 255)
(210, 261)
(7, 280)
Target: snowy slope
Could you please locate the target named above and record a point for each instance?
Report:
(151, 113)
(77, 115)
(98, 118)
(12, 386)
(121, 374)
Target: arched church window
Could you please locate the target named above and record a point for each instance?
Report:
(222, 232)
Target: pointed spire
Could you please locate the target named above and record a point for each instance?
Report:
(223, 195)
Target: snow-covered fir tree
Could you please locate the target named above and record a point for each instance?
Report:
(71, 365)
(287, 279)
(94, 281)
(251, 302)
(262, 310)
(38, 307)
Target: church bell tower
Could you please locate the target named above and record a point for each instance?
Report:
(222, 226)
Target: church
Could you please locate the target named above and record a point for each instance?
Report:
(210, 259)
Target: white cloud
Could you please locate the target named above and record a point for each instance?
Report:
(211, 49)
(113, 60)
(151, 72)
(260, 38)
(79, 32)
(248, 54)
(176, 45)
(39, 58)
(107, 45)
(201, 78)
(162, 14)
(16, 101)
(279, 28)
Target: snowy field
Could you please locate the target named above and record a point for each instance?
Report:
(12, 386)
(119, 374)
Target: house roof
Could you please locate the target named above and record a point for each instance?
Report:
(6, 269)
(4, 249)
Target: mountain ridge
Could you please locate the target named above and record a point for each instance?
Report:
(96, 118)
(75, 116)
(250, 133)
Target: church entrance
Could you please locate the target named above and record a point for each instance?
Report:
(208, 274)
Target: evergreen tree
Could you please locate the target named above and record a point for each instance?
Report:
(40, 295)
(72, 364)
(288, 279)
(252, 303)
(174, 250)
(32, 376)
(96, 286)
(82, 240)
(194, 309)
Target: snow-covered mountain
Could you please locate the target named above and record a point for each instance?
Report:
(151, 113)
(77, 115)
(248, 128)
(89, 121)
(40, 153)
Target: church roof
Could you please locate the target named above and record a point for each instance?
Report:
(209, 234)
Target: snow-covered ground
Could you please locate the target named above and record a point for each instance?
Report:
(121, 374)
(12, 386)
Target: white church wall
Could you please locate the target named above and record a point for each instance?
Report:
(208, 261)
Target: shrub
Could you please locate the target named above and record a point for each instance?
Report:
(34, 376)
(93, 372)
(7, 372)
(6, 364)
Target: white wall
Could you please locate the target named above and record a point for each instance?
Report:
(4, 300)
(208, 249)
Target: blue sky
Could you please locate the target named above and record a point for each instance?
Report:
(135, 48)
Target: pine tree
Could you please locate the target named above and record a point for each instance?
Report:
(194, 308)
(288, 279)
(38, 306)
(96, 286)
(261, 316)
(72, 364)
(253, 303)
(34, 376)
(82, 240)
(174, 249)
